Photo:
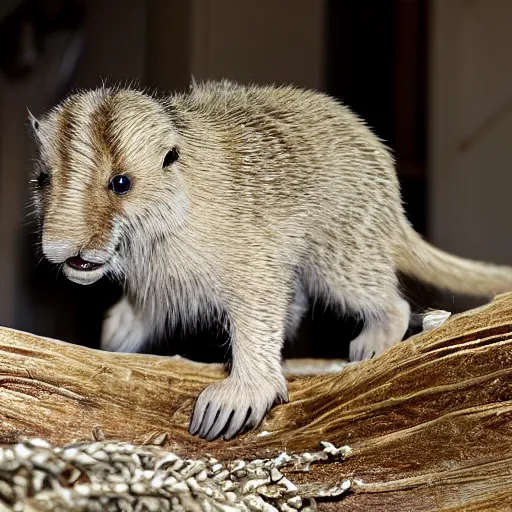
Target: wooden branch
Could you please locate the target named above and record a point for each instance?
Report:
(429, 421)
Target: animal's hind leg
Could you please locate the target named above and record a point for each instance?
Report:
(296, 310)
(381, 330)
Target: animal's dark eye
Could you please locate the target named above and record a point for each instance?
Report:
(43, 180)
(120, 184)
(170, 157)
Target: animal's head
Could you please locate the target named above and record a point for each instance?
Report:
(107, 180)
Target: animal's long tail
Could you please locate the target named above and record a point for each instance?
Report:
(417, 258)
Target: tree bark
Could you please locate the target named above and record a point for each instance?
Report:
(429, 422)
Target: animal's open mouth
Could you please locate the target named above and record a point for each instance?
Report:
(80, 264)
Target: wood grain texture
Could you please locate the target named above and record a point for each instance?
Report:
(429, 421)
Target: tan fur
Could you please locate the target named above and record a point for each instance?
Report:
(278, 195)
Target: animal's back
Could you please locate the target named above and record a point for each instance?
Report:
(298, 155)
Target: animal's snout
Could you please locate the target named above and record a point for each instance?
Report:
(58, 251)
(83, 266)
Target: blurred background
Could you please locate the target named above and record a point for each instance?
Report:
(433, 78)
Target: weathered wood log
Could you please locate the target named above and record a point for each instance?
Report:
(429, 422)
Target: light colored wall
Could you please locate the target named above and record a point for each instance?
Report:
(471, 127)
(168, 44)
(115, 49)
(265, 41)
(247, 41)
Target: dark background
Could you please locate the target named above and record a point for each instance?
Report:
(410, 68)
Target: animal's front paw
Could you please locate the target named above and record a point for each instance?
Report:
(122, 330)
(231, 405)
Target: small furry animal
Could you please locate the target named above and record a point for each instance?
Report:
(236, 203)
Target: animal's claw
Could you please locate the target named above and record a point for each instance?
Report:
(230, 406)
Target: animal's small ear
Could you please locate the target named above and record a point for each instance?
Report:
(170, 157)
(33, 122)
